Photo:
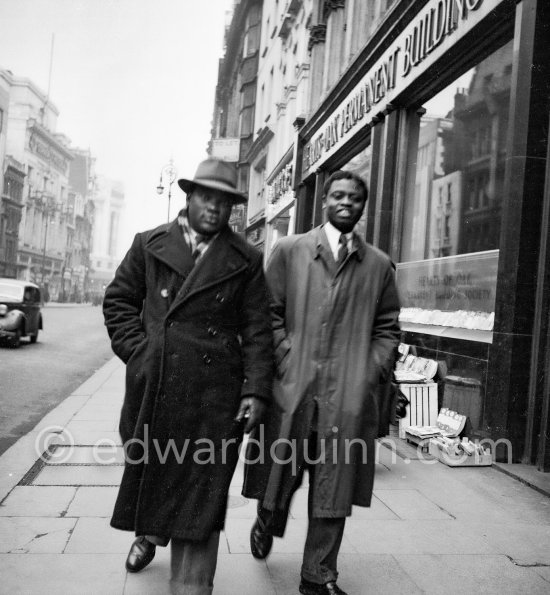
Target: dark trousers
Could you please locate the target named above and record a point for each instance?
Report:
(324, 535)
(192, 564)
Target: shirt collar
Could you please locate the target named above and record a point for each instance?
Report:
(333, 236)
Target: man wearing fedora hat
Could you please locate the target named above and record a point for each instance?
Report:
(188, 313)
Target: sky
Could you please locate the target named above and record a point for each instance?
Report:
(133, 80)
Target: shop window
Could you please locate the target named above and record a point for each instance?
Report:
(452, 213)
(282, 225)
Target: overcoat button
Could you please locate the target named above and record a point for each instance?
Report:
(164, 293)
(206, 358)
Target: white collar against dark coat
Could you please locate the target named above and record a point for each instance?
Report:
(333, 237)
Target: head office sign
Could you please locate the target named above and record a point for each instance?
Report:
(226, 149)
(439, 25)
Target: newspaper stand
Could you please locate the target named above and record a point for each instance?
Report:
(444, 443)
(414, 376)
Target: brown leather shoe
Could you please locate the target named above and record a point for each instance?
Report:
(260, 541)
(141, 553)
(330, 588)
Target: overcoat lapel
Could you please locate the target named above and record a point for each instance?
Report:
(221, 261)
(169, 246)
(323, 251)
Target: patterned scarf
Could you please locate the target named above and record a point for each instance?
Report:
(198, 243)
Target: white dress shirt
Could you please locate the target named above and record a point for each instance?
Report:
(333, 237)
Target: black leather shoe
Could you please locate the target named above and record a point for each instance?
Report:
(330, 588)
(141, 553)
(260, 541)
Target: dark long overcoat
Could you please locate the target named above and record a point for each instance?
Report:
(335, 333)
(195, 340)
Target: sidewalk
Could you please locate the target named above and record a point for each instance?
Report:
(431, 528)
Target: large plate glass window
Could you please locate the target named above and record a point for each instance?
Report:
(453, 207)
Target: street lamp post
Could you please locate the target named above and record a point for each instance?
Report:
(49, 208)
(168, 175)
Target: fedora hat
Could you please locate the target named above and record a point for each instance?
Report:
(216, 174)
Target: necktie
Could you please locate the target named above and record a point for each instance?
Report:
(342, 249)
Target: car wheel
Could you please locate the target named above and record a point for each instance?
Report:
(16, 339)
(34, 338)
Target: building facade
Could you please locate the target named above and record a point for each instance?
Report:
(45, 222)
(443, 107)
(444, 110)
(108, 208)
(234, 105)
(12, 181)
(281, 108)
(47, 210)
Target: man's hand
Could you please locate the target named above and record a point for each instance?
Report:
(251, 409)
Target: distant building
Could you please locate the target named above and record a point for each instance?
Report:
(108, 200)
(12, 180)
(46, 216)
(79, 246)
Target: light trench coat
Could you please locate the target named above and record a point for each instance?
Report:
(336, 332)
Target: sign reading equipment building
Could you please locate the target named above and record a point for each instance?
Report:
(439, 25)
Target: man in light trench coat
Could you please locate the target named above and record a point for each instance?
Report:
(188, 313)
(334, 309)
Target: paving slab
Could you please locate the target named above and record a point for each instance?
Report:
(415, 536)
(487, 574)
(37, 574)
(98, 411)
(544, 572)
(93, 437)
(34, 535)
(78, 427)
(241, 574)
(284, 570)
(411, 504)
(89, 455)
(63, 413)
(239, 507)
(31, 501)
(376, 511)
(95, 501)
(358, 574)
(73, 475)
(524, 543)
(92, 535)
(380, 574)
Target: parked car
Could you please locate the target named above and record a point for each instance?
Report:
(20, 311)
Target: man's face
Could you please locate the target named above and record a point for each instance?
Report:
(208, 210)
(345, 202)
